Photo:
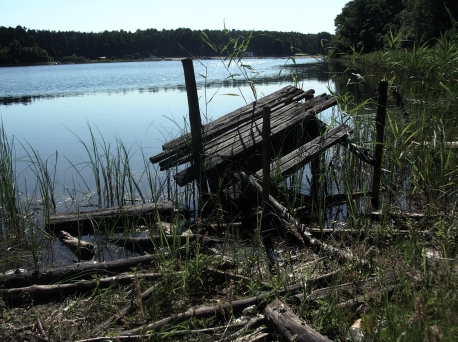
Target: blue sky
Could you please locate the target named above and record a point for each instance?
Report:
(304, 16)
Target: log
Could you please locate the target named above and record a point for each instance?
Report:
(77, 222)
(82, 249)
(281, 320)
(48, 276)
(50, 293)
(347, 287)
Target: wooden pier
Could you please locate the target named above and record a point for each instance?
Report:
(235, 140)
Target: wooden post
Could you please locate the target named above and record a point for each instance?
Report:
(265, 159)
(378, 152)
(266, 147)
(194, 121)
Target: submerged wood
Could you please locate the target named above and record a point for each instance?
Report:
(82, 249)
(281, 320)
(136, 214)
(48, 276)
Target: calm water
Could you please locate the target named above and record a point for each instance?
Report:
(49, 108)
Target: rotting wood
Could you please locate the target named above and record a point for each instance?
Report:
(149, 243)
(195, 123)
(378, 151)
(293, 161)
(220, 126)
(281, 320)
(139, 214)
(347, 287)
(124, 310)
(244, 143)
(50, 293)
(297, 229)
(247, 130)
(48, 276)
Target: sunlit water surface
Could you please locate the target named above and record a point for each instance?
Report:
(51, 110)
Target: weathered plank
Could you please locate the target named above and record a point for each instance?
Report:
(246, 129)
(86, 219)
(247, 141)
(288, 164)
(220, 126)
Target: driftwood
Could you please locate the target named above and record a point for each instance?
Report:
(82, 249)
(84, 221)
(49, 293)
(48, 276)
(281, 319)
(225, 309)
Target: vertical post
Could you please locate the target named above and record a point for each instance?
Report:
(265, 159)
(380, 130)
(266, 148)
(194, 121)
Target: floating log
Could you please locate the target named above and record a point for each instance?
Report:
(48, 276)
(82, 249)
(83, 221)
(281, 319)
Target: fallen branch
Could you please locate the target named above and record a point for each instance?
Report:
(281, 319)
(235, 307)
(295, 228)
(71, 273)
(48, 293)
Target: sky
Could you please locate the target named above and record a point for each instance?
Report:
(305, 16)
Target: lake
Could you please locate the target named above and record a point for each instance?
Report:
(52, 109)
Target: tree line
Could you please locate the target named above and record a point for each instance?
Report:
(22, 45)
(369, 25)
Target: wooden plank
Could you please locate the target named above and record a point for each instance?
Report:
(243, 129)
(220, 126)
(282, 97)
(71, 222)
(287, 165)
(251, 139)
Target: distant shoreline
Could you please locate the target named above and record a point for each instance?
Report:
(202, 58)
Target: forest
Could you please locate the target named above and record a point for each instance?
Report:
(23, 45)
(372, 25)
